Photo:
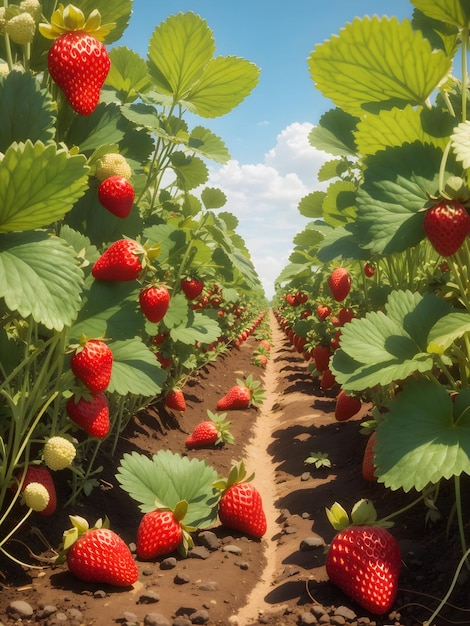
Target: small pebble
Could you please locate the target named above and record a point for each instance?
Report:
(155, 619)
(200, 617)
(168, 563)
(242, 565)
(209, 540)
(232, 548)
(149, 597)
(307, 618)
(199, 552)
(181, 579)
(19, 609)
(130, 619)
(181, 620)
(345, 612)
(311, 543)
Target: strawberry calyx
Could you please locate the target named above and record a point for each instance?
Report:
(236, 475)
(257, 395)
(71, 18)
(363, 513)
(223, 427)
(79, 527)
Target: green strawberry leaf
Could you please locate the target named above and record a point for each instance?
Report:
(384, 347)
(380, 74)
(26, 111)
(208, 145)
(397, 184)
(168, 478)
(40, 276)
(399, 126)
(199, 327)
(339, 205)
(213, 198)
(452, 12)
(179, 49)
(135, 369)
(334, 133)
(191, 171)
(223, 85)
(104, 126)
(424, 438)
(128, 74)
(181, 63)
(311, 205)
(38, 185)
(447, 330)
(109, 310)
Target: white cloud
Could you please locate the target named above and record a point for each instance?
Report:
(264, 197)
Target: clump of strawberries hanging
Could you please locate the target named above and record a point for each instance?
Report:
(78, 61)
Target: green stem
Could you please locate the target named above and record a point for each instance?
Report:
(458, 502)
(403, 509)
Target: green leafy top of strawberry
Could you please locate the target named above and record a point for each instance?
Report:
(71, 18)
(362, 513)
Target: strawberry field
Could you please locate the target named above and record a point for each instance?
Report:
(162, 426)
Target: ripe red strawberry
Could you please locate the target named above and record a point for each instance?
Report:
(175, 399)
(242, 395)
(323, 311)
(165, 361)
(79, 64)
(99, 555)
(159, 533)
(264, 343)
(339, 283)
(122, 261)
(241, 506)
(368, 464)
(192, 287)
(91, 415)
(345, 315)
(154, 302)
(446, 225)
(117, 195)
(237, 397)
(364, 562)
(210, 432)
(327, 380)
(41, 475)
(369, 270)
(92, 364)
(321, 357)
(346, 406)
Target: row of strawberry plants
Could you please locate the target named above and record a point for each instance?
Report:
(118, 279)
(382, 268)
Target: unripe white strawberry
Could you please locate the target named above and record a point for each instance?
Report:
(112, 164)
(36, 496)
(58, 453)
(33, 7)
(2, 20)
(21, 28)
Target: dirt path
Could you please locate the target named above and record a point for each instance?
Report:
(277, 581)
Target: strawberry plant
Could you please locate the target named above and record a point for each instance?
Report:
(99, 169)
(395, 213)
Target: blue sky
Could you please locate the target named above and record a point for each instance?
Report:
(273, 166)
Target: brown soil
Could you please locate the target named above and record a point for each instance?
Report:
(276, 580)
